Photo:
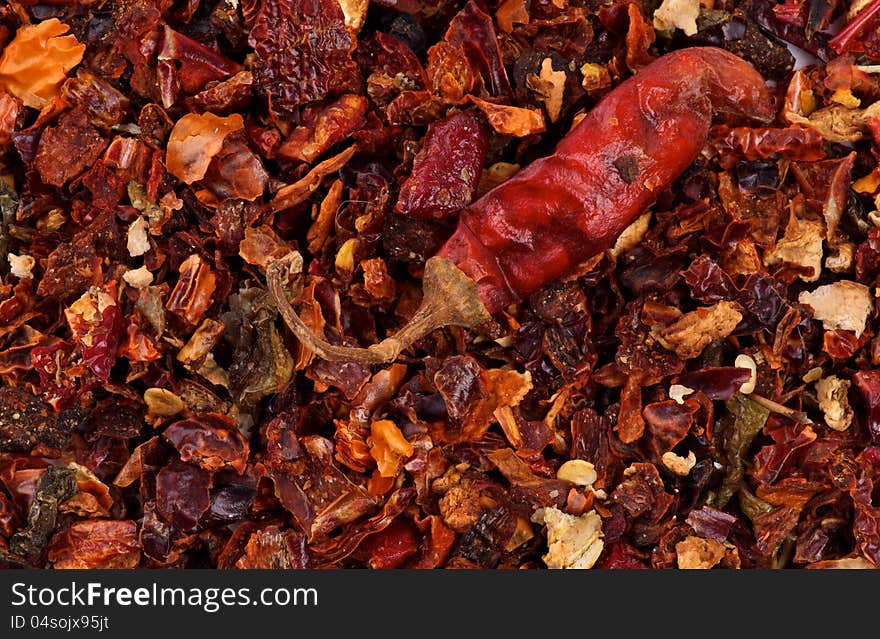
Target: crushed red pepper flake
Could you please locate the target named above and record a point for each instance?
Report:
(157, 179)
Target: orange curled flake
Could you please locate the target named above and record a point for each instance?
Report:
(377, 282)
(272, 549)
(319, 232)
(97, 543)
(191, 296)
(92, 497)
(133, 468)
(449, 72)
(388, 447)
(8, 115)
(260, 245)
(313, 317)
(36, 62)
(301, 190)
(511, 12)
(511, 120)
(195, 140)
(136, 346)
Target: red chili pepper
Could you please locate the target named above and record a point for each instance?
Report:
(572, 204)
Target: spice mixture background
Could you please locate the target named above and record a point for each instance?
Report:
(703, 390)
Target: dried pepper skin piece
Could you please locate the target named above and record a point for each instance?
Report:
(70, 269)
(95, 320)
(63, 375)
(793, 143)
(97, 544)
(559, 210)
(74, 138)
(303, 51)
(186, 65)
(472, 31)
(9, 108)
(182, 495)
(229, 96)
(447, 169)
(56, 485)
(323, 127)
(195, 140)
(868, 383)
(236, 173)
(35, 63)
(101, 101)
(392, 547)
(210, 440)
(193, 293)
(274, 549)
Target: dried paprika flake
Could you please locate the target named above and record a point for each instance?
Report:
(97, 543)
(34, 65)
(195, 140)
(74, 139)
(210, 440)
(63, 375)
(96, 323)
(389, 447)
(447, 169)
(191, 296)
(303, 52)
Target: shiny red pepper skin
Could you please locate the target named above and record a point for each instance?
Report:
(571, 205)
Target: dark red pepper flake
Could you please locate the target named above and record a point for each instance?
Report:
(303, 51)
(447, 169)
(182, 495)
(72, 138)
(210, 440)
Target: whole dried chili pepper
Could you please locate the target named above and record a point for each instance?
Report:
(572, 204)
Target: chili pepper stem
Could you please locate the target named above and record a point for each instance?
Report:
(854, 27)
(450, 298)
(775, 407)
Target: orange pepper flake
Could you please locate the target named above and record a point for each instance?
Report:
(511, 120)
(35, 63)
(191, 296)
(379, 485)
(388, 447)
(511, 12)
(195, 140)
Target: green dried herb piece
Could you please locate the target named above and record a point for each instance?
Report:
(738, 427)
(56, 486)
(261, 363)
(752, 505)
(8, 207)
